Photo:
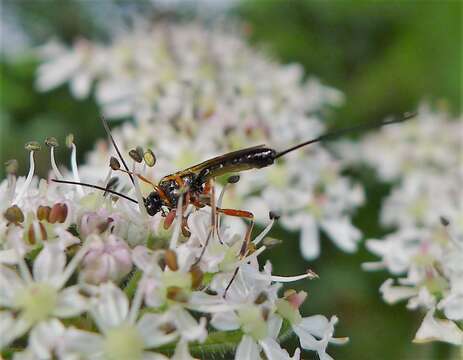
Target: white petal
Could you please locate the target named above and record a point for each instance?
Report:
(49, 265)
(11, 327)
(433, 329)
(10, 284)
(45, 337)
(345, 235)
(182, 352)
(310, 239)
(392, 294)
(274, 326)
(153, 356)
(80, 84)
(225, 321)
(70, 303)
(247, 349)
(273, 350)
(82, 342)
(111, 308)
(153, 336)
(189, 328)
(52, 74)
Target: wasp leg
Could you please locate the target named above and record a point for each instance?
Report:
(209, 187)
(247, 240)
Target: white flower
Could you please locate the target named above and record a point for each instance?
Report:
(41, 297)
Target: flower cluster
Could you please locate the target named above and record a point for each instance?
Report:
(426, 209)
(85, 274)
(208, 93)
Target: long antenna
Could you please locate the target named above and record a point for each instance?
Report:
(95, 187)
(108, 131)
(335, 134)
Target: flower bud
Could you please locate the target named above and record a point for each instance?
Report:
(58, 213)
(14, 214)
(107, 259)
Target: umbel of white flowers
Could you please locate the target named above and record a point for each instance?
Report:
(207, 92)
(424, 253)
(85, 275)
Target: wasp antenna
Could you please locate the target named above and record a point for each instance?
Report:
(360, 127)
(108, 131)
(95, 187)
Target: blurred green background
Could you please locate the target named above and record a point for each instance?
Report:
(386, 56)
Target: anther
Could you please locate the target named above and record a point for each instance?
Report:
(273, 215)
(58, 213)
(70, 140)
(114, 163)
(149, 157)
(171, 260)
(444, 221)
(51, 142)
(11, 167)
(14, 214)
(43, 212)
(32, 146)
(136, 154)
(196, 277)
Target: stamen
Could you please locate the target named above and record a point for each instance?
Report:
(308, 275)
(23, 269)
(52, 143)
(32, 146)
(72, 265)
(138, 194)
(75, 172)
(137, 301)
(178, 225)
(264, 232)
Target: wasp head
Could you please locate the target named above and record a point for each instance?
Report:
(153, 203)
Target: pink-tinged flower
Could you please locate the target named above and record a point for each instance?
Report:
(108, 259)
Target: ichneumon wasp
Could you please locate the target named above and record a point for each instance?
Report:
(195, 185)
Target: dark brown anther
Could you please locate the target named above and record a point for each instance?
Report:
(196, 277)
(11, 167)
(261, 298)
(58, 213)
(273, 215)
(14, 214)
(149, 157)
(112, 183)
(32, 234)
(168, 328)
(444, 221)
(176, 293)
(51, 142)
(233, 179)
(265, 313)
(171, 260)
(43, 212)
(114, 163)
(136, 154)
